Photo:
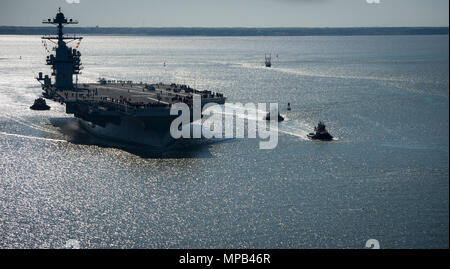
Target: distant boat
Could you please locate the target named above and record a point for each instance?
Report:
(289, 107)
(268, 61)
(280, 118)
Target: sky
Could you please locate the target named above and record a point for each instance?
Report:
(230, 13)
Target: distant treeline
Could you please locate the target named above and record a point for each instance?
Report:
(180, 31)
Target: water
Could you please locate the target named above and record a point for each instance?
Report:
(385, 98)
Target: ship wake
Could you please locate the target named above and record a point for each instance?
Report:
(291, 127)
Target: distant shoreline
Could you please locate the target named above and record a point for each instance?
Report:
(232, 31)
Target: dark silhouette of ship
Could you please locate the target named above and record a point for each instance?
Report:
(279, 118)
(268, 60)
(40, 104)
(320, 133)
(123, 110)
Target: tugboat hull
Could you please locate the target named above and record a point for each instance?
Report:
(40, 104)
(39, 107)
(280, 118)
(323, 137)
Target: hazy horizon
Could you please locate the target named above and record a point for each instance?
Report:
(232, 13)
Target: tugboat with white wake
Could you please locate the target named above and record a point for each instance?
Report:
(320, 133)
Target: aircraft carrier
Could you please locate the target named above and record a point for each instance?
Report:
(122, 110)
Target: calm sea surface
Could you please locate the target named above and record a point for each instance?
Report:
(385, 98)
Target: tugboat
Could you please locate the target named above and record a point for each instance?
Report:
(320, 133)
(40, 104)
(268, 61)
(280, 118)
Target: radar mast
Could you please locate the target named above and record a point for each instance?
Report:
(65, 61)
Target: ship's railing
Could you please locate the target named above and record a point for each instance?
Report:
(125, 105)
(119, 105)
(72, 37)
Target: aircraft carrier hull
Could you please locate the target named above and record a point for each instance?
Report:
(147, 132)
(115, 118)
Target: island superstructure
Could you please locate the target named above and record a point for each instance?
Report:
(123, 110)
